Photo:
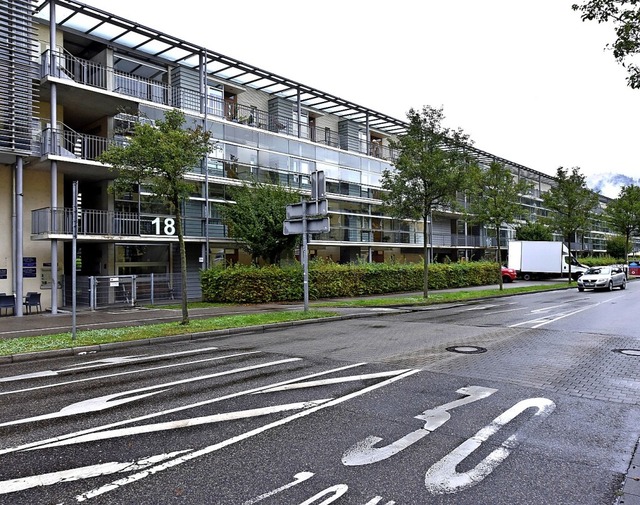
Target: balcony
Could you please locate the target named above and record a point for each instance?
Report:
(95, 75)
(95, 224)
(65, 142)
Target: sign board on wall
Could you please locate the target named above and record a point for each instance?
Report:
(29, 267)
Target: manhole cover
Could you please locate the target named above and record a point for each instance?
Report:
(628, 352)
(467, 349)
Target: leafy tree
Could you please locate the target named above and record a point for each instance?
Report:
(625, 16)
(533, 230)
(495, 199)
(623, 215)
(158, 157)
(570, 203)
(431, 166)
(617, 247)
(255, 220)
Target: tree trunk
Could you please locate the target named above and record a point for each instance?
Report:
(183, 262)
(570, 256)
(426, 257)
(498, 259)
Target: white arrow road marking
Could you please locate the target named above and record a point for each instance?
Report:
(142, 370)
(215, 447)
(336, 380)
(169, 411)
(83, 472)
(364, 452)
(108, 401)
(442, 477)
(91, 365)
(186, 423)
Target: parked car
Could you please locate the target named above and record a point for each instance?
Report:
(603, 278)
(508, 274)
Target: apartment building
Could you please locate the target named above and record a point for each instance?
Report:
(79, 78)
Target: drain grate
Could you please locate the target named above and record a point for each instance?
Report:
(467, 349)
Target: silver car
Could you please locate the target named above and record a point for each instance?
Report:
(603, 278)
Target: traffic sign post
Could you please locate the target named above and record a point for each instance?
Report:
(308, 217)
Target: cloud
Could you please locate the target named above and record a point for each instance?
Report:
(610, 184)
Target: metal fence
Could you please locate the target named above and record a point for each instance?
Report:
(98, 292)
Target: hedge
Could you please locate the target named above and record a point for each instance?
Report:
(250, 284)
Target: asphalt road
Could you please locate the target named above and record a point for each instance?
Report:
(519, 400)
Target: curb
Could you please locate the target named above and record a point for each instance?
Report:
(74, 351)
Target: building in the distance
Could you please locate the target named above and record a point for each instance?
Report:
(75, 78)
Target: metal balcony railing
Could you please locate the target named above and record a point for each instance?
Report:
(67, 66)
(59, 221)
(71, 144)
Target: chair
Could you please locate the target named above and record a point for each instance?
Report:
(32, 299)
(7, 302)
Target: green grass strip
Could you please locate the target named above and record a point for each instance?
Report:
(105, 336)
(436, 297)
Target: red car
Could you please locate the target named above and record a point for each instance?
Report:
(508, 274)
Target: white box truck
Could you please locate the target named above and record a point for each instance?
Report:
(535, 259)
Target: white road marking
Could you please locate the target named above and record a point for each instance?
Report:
(298, 478)
(443, 478)
(336, 492)
(335, 380)
(129, 372)
(90, 365)
(83, 472)
(186, 423)
(482, 307)
(108, 401)
(215, 447)
(541, 321)
(169, 411)
(364, 452)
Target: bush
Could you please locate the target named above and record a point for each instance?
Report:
(250, 284)
(596, 261)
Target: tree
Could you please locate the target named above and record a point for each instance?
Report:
(158, 157)
(494, 199)
(623, 214)
(255, 220)
(570, 204)
(617, 247)
(430, 168)
(533, 230)
(625, 15)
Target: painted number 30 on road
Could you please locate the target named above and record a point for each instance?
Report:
(442, 477)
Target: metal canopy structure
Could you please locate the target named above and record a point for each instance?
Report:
(138, 40)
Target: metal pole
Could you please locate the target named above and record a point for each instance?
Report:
(74, 248)
(19, 235)
(305, 256)
(54, 150)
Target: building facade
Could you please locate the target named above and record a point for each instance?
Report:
(80, 77)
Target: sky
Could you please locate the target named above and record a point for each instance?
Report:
(528, 81)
